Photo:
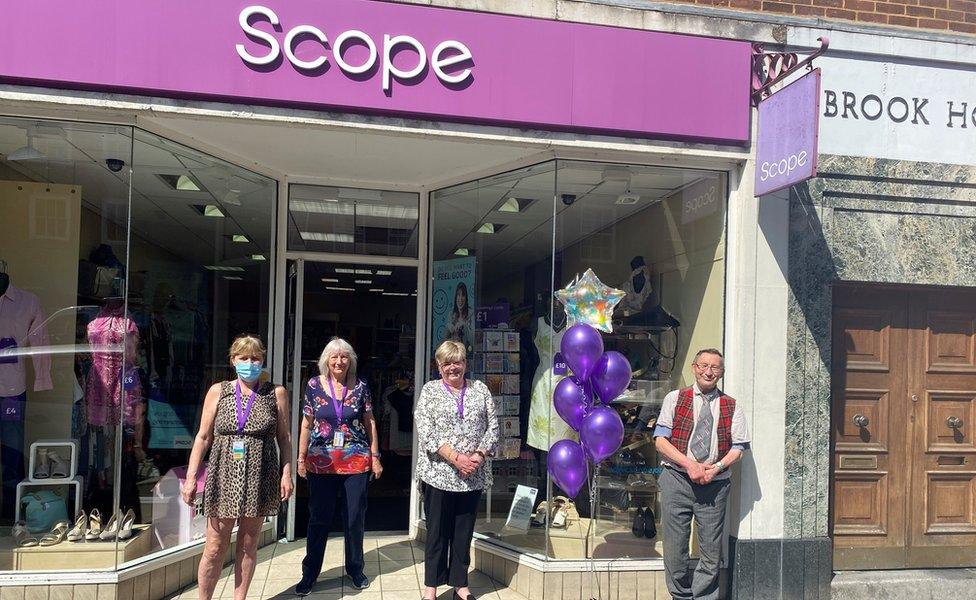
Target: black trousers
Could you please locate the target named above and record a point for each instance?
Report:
(450, 526)
(322, 493)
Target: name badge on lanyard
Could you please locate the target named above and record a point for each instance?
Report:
(339, 436)
(460, 404)
(237, 449)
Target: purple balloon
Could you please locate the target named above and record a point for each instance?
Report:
(567, 466)
(571, 398)
(581, 347)
(602, 433)
(610, 376)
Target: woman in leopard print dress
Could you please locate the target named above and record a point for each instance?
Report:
(245, 428)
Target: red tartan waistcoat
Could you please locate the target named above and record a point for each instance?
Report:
(684, 421)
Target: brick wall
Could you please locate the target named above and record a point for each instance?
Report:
(955, 16)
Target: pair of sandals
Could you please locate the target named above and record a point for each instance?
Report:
(89, 528)
(25, 539)
(557, 510)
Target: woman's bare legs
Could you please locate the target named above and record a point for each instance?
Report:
(214, 549)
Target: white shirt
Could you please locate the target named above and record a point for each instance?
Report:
(740, 429)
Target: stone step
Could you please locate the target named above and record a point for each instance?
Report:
(923, 584)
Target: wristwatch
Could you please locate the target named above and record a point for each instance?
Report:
(480, 453)
(721, 466)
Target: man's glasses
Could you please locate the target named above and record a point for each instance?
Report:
(710, 368)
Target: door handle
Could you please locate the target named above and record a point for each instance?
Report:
(954, 422)
(861, 420)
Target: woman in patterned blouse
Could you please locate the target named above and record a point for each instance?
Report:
(457, 429)
(338, 449)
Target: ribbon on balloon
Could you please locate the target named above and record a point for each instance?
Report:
(583, 399)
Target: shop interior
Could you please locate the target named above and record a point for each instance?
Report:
(130, 263)
(656, 233)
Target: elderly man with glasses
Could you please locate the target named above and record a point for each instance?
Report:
(700, 433)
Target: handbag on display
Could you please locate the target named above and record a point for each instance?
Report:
(43, 509)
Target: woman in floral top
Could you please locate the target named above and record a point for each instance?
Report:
(338, 449)
(457, 429)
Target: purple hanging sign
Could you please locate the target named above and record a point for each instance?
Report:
(786, 143)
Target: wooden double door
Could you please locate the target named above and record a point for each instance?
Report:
(903, 427)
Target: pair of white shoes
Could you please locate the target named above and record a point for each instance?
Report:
(50, 464)
(89, 527)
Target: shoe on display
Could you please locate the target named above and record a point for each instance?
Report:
(541, 515)
(59, 466)
(638, 527)
(42, 469)
(57, 534)
(304, 587)
(22, 536)
(94, 525)
(360, 581)
(77, 533)
(125, 526)
(111, 530)
(650, 527)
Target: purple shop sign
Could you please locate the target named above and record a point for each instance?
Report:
(388, 58)
(786, 142)
(492, 316)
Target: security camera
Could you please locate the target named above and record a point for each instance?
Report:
(568, 199)
(114, 164)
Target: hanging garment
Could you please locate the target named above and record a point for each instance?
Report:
(545, 426)
(22, 325)
(107, 336)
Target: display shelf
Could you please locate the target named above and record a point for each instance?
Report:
(76, 482)
(78, 555)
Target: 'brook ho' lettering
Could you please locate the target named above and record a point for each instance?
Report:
(445, 60)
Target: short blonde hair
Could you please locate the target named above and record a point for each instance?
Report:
(246, 345)
(335, 346)
(450, 351)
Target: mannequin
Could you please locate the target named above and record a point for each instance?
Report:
(21, 325)
(638, 308)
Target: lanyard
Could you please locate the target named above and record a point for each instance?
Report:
(243, 412)
(459, 400)
(337, 404)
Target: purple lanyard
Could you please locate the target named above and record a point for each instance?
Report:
(337, 404)
(243, 412)
(460, 401)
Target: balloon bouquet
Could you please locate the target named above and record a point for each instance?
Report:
(583, 399)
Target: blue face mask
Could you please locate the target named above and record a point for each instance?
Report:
(248, 371)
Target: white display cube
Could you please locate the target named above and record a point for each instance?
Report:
(69, 446)
(175, 522)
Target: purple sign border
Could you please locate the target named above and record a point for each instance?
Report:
(539, 73)
(814, 141)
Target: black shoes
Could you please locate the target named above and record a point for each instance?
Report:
(650, 528)
(644, 525)
(360, 582)
(304, 587)
(638, 527)
(458, 597)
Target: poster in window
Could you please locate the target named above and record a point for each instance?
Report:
(453, 296)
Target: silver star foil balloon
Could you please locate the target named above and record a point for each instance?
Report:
(587, 300)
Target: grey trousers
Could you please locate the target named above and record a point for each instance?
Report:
(681, 501)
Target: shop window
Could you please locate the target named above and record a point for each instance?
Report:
(115, 317)
(523, 234)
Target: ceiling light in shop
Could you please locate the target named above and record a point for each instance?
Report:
(365, 272)
(384, 273)
(240, 239)
(344, 271)
(182, 183)
(490, 228)
(222, 268)
(233, 278)
(258, 257)
(333, 207)
(515, 205)
(363, 281)
(395, 294)
(340, 289)
(339, 238)
(28, 152)
(329, 280)
(208, 210)
(461, 252)
(376, 289)
(628, 199)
